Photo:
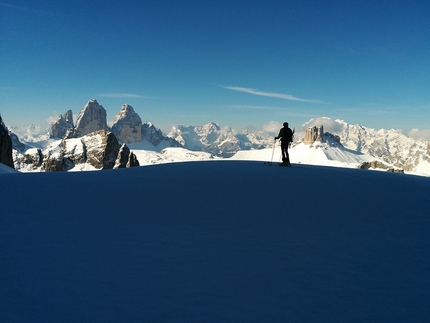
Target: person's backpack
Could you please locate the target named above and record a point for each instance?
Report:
(289, 135)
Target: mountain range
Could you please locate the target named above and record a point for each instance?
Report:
(345, 144)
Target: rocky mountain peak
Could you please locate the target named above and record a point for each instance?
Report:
(127, 125)
(64, 123)
(210, 127)
(223, 142)
(91, 118)
(68, 116)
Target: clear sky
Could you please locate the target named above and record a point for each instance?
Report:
(237, 63)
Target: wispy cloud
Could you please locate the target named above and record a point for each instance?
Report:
(23, 9)
(122, 95)
(272, 126)
(12, 6)
(256, 107)
(270, 94)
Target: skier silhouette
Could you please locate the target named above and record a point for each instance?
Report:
(286, 137)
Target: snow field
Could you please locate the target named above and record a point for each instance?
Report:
(215, 242)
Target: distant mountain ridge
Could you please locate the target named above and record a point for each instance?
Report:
(89, 144)
(391, 147)
(221, 142)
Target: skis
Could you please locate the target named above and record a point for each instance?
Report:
(277, 164)
(282, 164)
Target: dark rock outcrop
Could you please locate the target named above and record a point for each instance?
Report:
(127, 125)
(132, 160)
(126, 158)
(55, 163)
(379, 165)
(102, 149)
(122, 159)
(33, 157)
(91, 118)
(5, 146)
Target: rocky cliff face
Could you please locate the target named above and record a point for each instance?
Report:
(91, 118)
(62, 125)
(55, 163)
(101, 149)
(390, 146)
(88, 143)
(32, 158)
(97, 150)
(152, 134)
(127, 125)
(313, 134)
(5, 146)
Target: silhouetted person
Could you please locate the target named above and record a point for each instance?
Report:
(286, 137)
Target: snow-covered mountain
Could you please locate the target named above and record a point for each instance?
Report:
(31, 134)
(391, 146)
(354, 145)
(222, 142)
(97, 150)
(49, 149)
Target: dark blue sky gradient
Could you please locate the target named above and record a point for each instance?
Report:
(175, 62)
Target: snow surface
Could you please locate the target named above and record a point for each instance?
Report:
(6, 170)
(170, 155)
(315, 154)
(212, 241)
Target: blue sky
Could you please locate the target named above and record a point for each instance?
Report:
(237, 63)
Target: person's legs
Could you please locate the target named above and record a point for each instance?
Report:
(284, 153)
(287, 156)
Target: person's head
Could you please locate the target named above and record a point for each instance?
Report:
(285, 124)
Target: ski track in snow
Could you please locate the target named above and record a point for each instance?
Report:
(214, 241)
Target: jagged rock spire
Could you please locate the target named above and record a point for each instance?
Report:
(127, 125)
(91, 118)
(62, 125)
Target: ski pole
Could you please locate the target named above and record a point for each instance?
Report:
(273, 150)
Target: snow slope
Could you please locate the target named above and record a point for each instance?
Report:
(7, 170)
(317, 154)
(215, 241)
(170, 155)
